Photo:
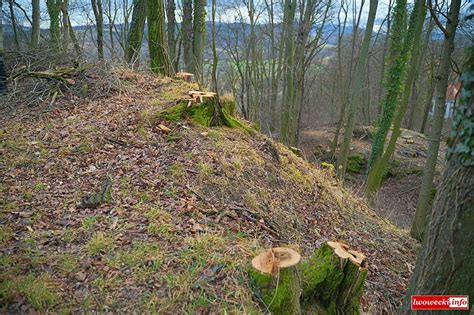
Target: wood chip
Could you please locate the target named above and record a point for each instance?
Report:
(164, 128)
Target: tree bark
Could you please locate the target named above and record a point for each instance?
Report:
(99, 20)
(187, 35)
(423, 204)
(65, 20)
(135, 35)
(3, 77)
(214, 50)
(445, 264)
(289, 63)
(14, 25)
(35, 27)
(157, 47)
(171, 30)
(53, 7)
(199, 33)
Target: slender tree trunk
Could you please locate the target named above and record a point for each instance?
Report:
(356, 89)
(65, 19)
(199, 35)
(423, 204)
(171, 29)
(135, 35)
(412, 112)
(126, 22)
(427, 108)
(445, 264)
(415, 28)
(99, 20)
(159, 61)
(384, 55)
(16, 39)
(111, 22)
(214, 49)
(187, 35)
(3, 76)
(35, 27)
(289, 57)
(339, 76)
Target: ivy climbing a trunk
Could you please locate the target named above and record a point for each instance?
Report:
(411, 53)
(393, 82)
(54, 10)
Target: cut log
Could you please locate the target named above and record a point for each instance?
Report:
(333, 279)
(276, 281)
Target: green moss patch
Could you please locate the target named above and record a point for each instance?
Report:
(208, 114)
(356, 163)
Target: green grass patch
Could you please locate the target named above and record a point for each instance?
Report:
(40, 291)
(99, 243)
(6, 234)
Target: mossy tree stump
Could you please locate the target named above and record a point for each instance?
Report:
(210, 112)
(330, 281)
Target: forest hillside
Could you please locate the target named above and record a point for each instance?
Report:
(136, 213)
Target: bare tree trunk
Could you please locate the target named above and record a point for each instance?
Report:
(199, 36)
(135, 35)
(65, 19)
(187, 35)
(3, 77)
(35, 27)
(171, 29)
(99, 20)
(289, 63)
(339, 76)
(14, 25)
(214, 49)
(423, 204)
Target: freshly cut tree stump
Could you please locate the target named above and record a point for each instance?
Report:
(276, 281)
(333, 279)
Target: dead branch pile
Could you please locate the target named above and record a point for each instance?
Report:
(45, 77)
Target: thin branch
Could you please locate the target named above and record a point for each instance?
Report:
(435, 18)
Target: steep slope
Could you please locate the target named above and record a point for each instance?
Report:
(187, 210)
